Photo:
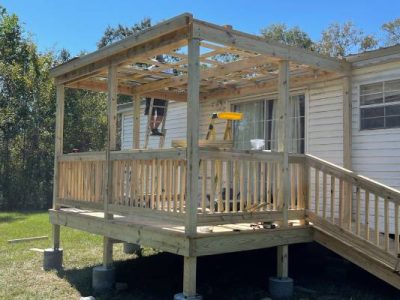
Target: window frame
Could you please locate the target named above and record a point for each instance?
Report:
(274, 96)
(383, 105)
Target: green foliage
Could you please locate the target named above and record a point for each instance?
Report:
(26, 119)
(290, 36)
(392, 32)
(113, 34)
(339, 40)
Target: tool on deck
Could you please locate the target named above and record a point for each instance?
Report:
(150, 118)
(229, 116)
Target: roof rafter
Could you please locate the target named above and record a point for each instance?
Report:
(226, 36)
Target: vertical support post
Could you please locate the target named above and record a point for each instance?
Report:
(192, 174)
(57, 152)
(347, 144)
(111, 146)
(189, 276)
(193, 112)
(283, 147)
(136, 122)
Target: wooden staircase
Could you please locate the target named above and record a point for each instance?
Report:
(355, 217)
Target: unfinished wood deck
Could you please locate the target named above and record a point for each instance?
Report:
(170, 236)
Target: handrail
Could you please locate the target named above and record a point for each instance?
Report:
(83, 156)
(359, 180)
(149, 154)
(251, 155)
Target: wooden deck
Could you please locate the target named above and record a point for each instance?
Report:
(170, 236)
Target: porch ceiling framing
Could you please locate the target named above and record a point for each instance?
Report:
(256, 71)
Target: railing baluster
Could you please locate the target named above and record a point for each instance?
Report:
(316, 191)
(341, 202)
(228, 185)
(377, 242)
(203, 185)
(358, 212)
(248, 194)
(255, 183)
(396, 229)
(241, 191)
(213, 187)
(324, 183)
(333, 195)
(386, 218)
(269, 184)
(262, 186)
(367, 237)
(235, 186)
(292, 169)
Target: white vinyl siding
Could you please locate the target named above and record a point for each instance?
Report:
(324, 121)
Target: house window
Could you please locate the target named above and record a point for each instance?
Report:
(260, 122)
(380, 105)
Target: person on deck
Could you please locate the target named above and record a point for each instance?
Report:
(159, 105)
(157, 114)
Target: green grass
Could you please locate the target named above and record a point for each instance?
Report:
(318, 273)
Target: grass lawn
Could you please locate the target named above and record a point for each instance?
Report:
(318, 273)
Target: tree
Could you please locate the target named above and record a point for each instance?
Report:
(26, 119)
(290, 36)
(339, 40)
(113, 34)
(392, 31)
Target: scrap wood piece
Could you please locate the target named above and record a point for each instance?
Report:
(37, 250)
(28, 239)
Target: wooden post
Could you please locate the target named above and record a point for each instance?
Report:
(193, 113)
(283, 147)
(347, 144)
(111, 146)
(189, 276)
(136, 122)
(57, 152)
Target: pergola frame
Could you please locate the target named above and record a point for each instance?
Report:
(290, 67)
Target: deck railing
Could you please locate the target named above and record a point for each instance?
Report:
(233, 185)
(355, 203)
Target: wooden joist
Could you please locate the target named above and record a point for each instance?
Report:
(122, 50)
(244, 41)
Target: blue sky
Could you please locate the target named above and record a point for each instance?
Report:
(78, 24)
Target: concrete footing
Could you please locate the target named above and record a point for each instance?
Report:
(280, 288)
(130, 248)
(181, 296)
(103, 279)
(52, 259)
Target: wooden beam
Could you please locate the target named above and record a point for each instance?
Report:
(244, 41)
(255, 88)
(126, 90)
(58, 151)
(136, 122)
(152, 48)
(165, 240)
(193, 122)
(210, 73)
(227, 242)
(122, 46)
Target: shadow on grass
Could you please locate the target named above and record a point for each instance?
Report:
(318, 274)
(9, 218)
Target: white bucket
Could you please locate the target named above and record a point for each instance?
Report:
(257, 144)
